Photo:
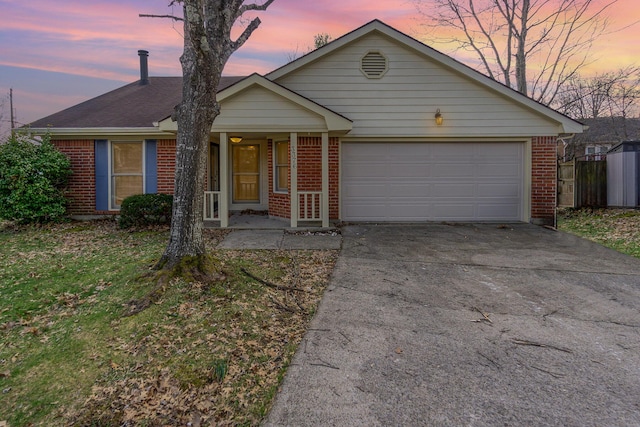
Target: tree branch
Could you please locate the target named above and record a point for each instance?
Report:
(254, 6)
(175, 18)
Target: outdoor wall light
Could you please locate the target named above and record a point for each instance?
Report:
(439, 118)
(235, 139)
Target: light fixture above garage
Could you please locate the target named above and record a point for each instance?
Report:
(439, 118)
(235, 139)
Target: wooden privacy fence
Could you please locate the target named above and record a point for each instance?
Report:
(582, 184)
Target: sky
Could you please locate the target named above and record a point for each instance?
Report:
(57, 54)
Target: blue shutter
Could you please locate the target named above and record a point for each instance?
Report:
(101, 155)
(151, 167)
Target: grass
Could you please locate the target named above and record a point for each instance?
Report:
(618, 229)
(212, 354)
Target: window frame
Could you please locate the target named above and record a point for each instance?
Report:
(277, 166)
(111, 175)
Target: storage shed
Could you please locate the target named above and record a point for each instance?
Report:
(623, 175)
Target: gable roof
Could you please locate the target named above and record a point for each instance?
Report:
(307, 109)
(567, 125)
(131, 106)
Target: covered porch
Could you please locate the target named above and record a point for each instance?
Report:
(270, 152)
(246, 176)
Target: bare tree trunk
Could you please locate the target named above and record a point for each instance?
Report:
(521, 56)
(207, 47)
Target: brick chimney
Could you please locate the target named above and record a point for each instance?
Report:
(144, 67)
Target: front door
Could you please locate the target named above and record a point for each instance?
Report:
(246, 173)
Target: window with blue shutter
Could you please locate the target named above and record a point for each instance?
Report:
(124, 168)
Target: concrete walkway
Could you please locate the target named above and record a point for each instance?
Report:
(469, 325)
(281, 239)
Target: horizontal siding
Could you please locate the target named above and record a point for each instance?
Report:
(258, 106)
(404, 101)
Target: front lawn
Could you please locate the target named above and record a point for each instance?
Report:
(205, 354)
(617, 229)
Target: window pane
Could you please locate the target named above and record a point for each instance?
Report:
(282, 153)
(125, 186)
(282, 172)
(282, 166)
(126, 157)
(246, 158)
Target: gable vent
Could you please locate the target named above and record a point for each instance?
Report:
(374, 65)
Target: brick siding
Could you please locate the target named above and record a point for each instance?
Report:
(166, 155)
(82, 184)
(543, 179)
(309, 175)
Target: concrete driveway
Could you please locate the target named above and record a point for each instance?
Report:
(470, 325)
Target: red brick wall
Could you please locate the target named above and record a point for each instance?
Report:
(166, 152)
(82, 184)
(279, 203)
(543, 179)
(309, 175)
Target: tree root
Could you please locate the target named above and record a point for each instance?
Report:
(192, 269)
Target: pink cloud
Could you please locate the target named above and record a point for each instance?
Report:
(101, 38)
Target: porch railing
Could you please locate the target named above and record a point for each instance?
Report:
(310, 205)
(211, 206)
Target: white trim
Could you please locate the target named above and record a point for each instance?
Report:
(528, 180)
(293, 190)
(96, 133)
(263, 177)
(224, 180)
(275, 165)
(324, 214)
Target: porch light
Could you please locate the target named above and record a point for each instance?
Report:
(439, 118)
(235, 139)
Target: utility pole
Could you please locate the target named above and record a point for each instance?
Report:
(13, 123)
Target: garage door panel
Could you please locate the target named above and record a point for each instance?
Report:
(451, 170)
(453, 211)
(492, 212)
(504, 191)
(432, 181)
(495, 170)
(410, 191)
(451, 190)
(365, 190)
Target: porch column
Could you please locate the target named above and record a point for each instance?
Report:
(293, 148)
(325, 180)
(224, 184)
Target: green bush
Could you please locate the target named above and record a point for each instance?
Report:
(145, 209)
(33, 178)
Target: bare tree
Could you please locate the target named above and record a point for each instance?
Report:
(533, 46)
(207, 47)
(612, 94)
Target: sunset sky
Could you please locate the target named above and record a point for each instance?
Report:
(56, 54)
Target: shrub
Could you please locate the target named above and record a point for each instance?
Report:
(33, 177)
(145, 209)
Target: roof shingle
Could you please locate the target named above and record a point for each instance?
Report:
(130, 106)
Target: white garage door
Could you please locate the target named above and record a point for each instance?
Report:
(432, 181)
